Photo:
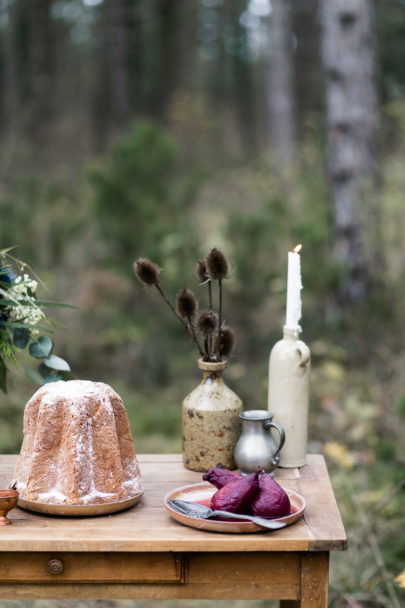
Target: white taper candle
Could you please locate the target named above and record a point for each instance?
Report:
(294, 286)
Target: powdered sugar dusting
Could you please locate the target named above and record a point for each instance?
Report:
(81, 451)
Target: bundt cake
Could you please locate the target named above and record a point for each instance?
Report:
(77, 447)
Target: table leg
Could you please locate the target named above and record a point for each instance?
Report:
(314, 582)
(314, 579)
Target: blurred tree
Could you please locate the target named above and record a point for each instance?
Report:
(308, 85)
(280, 88)
(16, 87)
(116, 14)
(348, 54)
(140, 204)
(112, 102)
(41, 58)
(171, 54)
(28, 58)
(241, 74)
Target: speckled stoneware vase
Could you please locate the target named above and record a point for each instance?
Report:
(211, 423)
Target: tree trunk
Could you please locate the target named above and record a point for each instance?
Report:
(117, 15)
(280, 93)
(307, 63)
(10, 90)
(41, 56)
(348, 56)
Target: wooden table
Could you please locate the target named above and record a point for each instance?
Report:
(143, 553)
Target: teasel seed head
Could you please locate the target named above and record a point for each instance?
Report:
(217, 265)
(226, 340)
(147, 271)
(186, 303)
(201, 271)
(207, 322)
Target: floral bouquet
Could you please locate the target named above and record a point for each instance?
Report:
(22, 320)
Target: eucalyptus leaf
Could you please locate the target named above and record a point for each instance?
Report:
(42, 348)
(46, 372)
(52, 378)
(57, 363)
(32, 375)
(21, 337)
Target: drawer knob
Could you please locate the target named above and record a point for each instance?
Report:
(55, 566)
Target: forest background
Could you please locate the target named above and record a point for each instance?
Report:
(164, 128)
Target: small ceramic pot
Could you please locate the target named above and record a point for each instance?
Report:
(8, 500)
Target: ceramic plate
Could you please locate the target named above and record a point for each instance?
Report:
(202, 492)
(79, 510)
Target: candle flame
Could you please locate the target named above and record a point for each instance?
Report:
(297, 248)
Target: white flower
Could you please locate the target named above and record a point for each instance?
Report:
(29, 315)
(27, 311)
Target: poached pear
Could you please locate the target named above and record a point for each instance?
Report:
(220, 477)
(237, 496)
(271, 500)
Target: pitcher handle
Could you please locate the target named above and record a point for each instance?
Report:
(268, 424)
(304, 354)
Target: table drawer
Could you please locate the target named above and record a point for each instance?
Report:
(91, 567)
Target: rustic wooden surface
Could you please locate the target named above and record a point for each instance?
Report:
(148, 528)
(143, 553)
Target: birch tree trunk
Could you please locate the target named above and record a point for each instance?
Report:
(280, 88)
(348, 56)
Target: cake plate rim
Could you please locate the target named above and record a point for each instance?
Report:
(80, 510)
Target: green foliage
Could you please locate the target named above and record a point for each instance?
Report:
(140, 203)
(401, 406)
(51, 367)
(41, 348)
(21, 319)
(26, 218)
(141, 206)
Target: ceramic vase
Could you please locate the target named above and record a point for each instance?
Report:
(210, 421)
(288, 396)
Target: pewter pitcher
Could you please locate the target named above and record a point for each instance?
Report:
(256, 445)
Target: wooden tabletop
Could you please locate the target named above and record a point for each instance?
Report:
(147, 527)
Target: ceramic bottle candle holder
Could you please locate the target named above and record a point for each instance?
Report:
(210, 421)
(288, 395)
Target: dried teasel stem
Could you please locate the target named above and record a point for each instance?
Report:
(195, 339)
(174, 311)
(147, 271)
(225, 341)
(186, 303)
(202, 275)
(219, 318)
(187, 307)
(201, 271)
(217, 265)
(207, 322)
(217, 270)
(214, 267)
(149, 274)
